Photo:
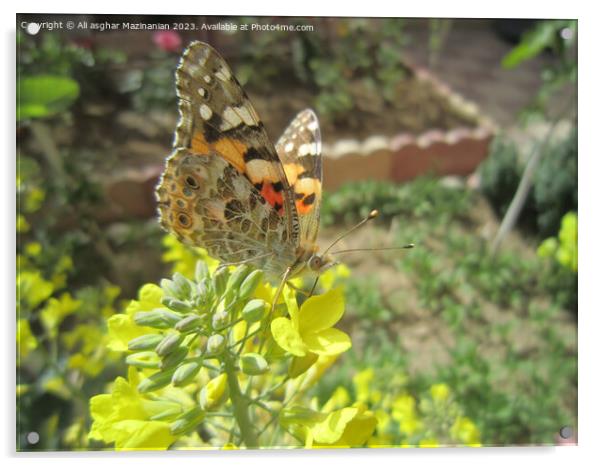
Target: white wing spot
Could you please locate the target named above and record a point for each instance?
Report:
(305, 149)
(202, 92)
(223, 73)
(207, 78)
(289, 147)
(231, 119)
(313, 126)
(206, 112)
(246, 116)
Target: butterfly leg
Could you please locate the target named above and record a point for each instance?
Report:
(313, 288)
(299, 290)
(251, 259)
(276, 298)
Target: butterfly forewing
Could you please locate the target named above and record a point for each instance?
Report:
(300, 150)
(217, 117)
(224, 187)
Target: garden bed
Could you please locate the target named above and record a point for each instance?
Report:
(430, 129)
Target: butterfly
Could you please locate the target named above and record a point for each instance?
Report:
(228, 189)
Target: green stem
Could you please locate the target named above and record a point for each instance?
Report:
(240, 404)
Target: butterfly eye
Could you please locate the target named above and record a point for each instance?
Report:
(192, 182)
(184, 220)
(315, 263)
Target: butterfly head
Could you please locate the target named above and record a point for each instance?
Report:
(319, 264)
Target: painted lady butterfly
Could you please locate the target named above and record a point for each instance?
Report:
(227, 188)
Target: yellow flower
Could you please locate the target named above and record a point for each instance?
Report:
(122, 327)
(362, 381)
(185, 258)
(429, 442)
(466, 432)
(339, 398)
(56, 310)
(346, 427)
(33, 289)
(310, 329)
(404, 412)
(33, 249)
(123, 418)
(22, 224)
(214, 393)
(332, 275)
(26, 340)
(440, 392)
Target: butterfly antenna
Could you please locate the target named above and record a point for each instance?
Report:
(396, 248)
(370, 216)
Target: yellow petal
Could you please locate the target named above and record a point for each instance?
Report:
(287, 336)
(321, 312)
(328, 342)
(331, 429)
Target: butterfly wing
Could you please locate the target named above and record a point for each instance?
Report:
(217, 117)
(300, 150)
(224, 187)
(205, 201)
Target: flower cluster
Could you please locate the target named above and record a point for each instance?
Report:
(430, 420)
(218, 360)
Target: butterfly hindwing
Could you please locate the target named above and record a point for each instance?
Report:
(205, 201)
(218, 118)
(300, 150)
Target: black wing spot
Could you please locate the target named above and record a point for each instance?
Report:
(192, 182)
(252, 154)
(309, 200)
(184, 220)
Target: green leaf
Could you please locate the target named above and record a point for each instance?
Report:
(533, 43)
(44, 95)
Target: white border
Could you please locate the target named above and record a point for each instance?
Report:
(589, 214)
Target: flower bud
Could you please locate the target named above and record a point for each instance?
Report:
(220, 320)
(182, 285)
(189, 323)
(250, 284)
(155, 382)
(185, 373)
(144, 359)
(215, 344)
(145, 342)
(220, 279)
(300, 415)
(168, 344)
(157, 318)
(161, 410)
(169, 287)
(238, 276)
(174, 358)
(254, 310)
(175, 304)
(201, 271)
(253, 364)
(214, 393)
(187, 421)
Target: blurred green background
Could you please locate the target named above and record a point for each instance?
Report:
(495, 330)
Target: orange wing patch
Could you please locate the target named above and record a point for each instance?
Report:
(230, 149)
(307, 192)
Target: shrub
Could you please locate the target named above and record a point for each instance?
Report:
(554, 190)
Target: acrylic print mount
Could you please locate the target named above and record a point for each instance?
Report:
(253, 232)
